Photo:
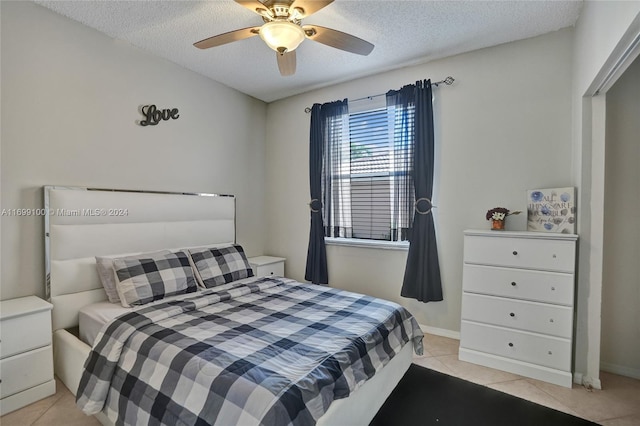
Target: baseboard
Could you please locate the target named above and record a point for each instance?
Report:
(440, 332)
(587, 381)
(621, 370)
(577, 378)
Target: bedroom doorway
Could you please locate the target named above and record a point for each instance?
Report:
(620, 332)
(591, 326)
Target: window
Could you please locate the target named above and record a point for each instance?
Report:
(361, 181)
(368, 186)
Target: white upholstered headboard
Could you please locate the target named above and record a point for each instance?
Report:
(81, 223)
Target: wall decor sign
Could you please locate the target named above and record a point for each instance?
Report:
(153, 115)
(552, 210)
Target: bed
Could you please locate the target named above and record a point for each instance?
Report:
(83, 223)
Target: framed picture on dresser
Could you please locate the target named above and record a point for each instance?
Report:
(552, 210)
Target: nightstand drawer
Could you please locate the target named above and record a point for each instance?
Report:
(550, 352)
(26, 370)
(264, 266)
(528, 316)
(267, 270)
(22, 333)
(540, 286)
(529, 253)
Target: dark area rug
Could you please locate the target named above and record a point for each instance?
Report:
(427, 397)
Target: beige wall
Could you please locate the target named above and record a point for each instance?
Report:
(621, 283)
(502, 128)
(70, 99)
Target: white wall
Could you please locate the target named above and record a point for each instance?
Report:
(502, 128)
(601, 26)
(70, 99)
(621, 283)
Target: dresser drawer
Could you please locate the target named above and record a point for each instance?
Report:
(26, 370)
(530, 253)
(547, 351)
(25, 332)
(528, 316)
(539, 286)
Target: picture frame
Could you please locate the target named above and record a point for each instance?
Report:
(552, 210)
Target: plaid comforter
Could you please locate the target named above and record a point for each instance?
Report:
(267, 351)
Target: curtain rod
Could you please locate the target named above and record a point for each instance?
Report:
(448, 81)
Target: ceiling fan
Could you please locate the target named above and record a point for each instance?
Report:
(283, 31)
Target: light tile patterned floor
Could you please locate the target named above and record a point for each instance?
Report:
(618, 404)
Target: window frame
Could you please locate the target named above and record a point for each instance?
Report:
(371, 105)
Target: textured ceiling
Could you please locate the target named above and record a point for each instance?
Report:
(403, 32)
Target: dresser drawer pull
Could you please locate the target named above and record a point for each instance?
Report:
(510, 344)
(551, 320)
(550, 353)
(512, 314)
(515, 253)
(553, 289)
(513, 283)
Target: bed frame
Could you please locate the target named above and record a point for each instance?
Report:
(81, 223)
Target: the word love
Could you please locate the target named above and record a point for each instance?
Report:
(153, 115)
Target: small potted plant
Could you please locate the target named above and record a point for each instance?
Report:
(498, 215)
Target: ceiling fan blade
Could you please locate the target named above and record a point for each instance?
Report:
(225, 38)
(338, 39)
(254, 6)
(307, 7)
(287, 63)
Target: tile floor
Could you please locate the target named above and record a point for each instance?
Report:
(618, 404)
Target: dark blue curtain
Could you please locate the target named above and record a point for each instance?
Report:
(422, 273)
(325, 128)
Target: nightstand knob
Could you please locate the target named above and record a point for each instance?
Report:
(554, 256)
(512, 314)
(510, 344)
(550, 353)
(513, 283)
(553, 289)
(515, 253)
(551, 320)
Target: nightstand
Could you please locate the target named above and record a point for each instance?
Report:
(26, 356)
(267, 265)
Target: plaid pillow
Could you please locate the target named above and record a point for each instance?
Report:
(143, 280)
(220, 265)
(104, 266)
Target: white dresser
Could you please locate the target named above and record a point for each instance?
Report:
(26, 357)
(267, 265)
(517, 303)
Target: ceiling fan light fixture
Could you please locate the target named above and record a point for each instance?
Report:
(282, 35)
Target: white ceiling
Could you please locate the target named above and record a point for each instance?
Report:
(403, 32)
